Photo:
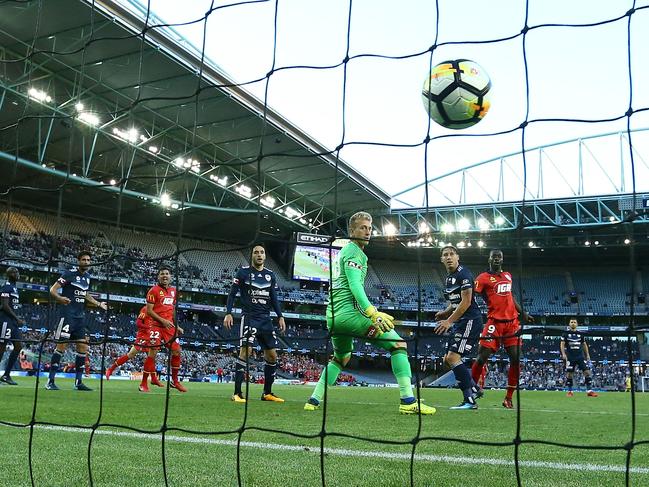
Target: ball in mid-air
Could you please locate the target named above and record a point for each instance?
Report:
(456, 93)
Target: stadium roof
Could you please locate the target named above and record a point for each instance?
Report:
(94, 99)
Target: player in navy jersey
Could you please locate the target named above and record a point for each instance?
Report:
(256, 286)
(10, 322)
(574, 350)
(74, 286)
(464, 320)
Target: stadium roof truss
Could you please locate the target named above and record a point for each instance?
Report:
(579, 212)
(88, 99)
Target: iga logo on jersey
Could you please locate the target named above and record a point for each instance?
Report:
(504, 288)
(168, 301)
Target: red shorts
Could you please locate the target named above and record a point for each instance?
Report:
(144, 340)
(166, 337)
(496, 333)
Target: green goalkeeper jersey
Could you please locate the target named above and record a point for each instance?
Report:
(347, 292)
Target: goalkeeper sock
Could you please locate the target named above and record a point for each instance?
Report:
(175, 366)
(331, 374)
(569, 384)
(402, 372)
(79, 364)
(54, 365)
(149, 369)
(463, 377)
(476, 371)
(239, 369)
(269, 376)
(589, 383)
(512, 378)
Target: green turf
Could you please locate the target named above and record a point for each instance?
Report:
(120, 457)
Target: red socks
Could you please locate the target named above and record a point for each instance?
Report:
(476, 371)
(512, 379)
(121, 360)
(175, 365)
(149, 368)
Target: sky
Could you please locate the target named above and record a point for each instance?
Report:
(573, 72)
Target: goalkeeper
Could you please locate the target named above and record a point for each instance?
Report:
(350, 314)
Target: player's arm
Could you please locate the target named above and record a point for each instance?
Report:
(353, 271)
(562, 348)
(444, 325)
(442, 315)
(274, 302)
(524, 314)
(54, 291)
(6, 307)
(234, 289)
(90, 299)
(586, 350)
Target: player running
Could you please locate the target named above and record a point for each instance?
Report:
(9, 323)
(74, 286)
(462, 317)
(350, 314)
(256, 286)
(161, 311)
(144, 342)
(503, 327)
(573, 351)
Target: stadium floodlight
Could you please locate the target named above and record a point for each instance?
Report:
(461, 244)
(499, 221)
(423, 227)
(627, 241)
(131, 135)
(389, 229)
(530, 244)
(587, 243)
(39, 95)
(113, 182)
(375, 232)
(612, 219)
(269, 202)
(293, 213)
(441, 243)
(302, 221)
(463, 224)
(165, 200)
(175, 206)
(480, 243)
(483, 224)
(88, 118)
(153, 149)
(244, 191)
(447, 228)
(167, 213)
(79, 107)
(596, 242)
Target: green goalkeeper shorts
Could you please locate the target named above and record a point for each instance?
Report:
(348, 326)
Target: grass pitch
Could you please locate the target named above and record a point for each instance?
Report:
(195, 455)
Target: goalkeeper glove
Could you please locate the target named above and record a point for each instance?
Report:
(382, 321)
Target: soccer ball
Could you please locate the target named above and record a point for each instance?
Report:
(456, 93)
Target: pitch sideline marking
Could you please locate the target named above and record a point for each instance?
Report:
(456, 460)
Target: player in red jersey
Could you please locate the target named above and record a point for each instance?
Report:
(144, 342)
(502, 325)
(161, 310)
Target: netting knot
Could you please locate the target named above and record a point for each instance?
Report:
(517, 441)
(630, 12)
(629, 446)
(525, 30)
(629, 112)
(523, 125)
